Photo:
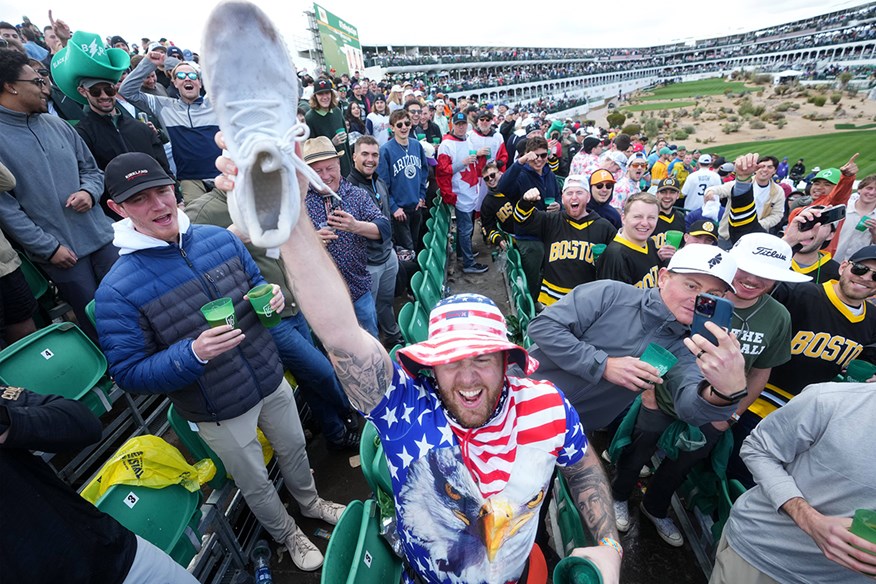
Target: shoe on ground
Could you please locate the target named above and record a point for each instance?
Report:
(666, 528)
(621, 515)
(325, 510)
(348, 441)
(259, 120)
(475, 269)
(304, 554)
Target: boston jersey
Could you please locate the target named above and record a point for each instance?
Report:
(826, 336)
(672, 222)
(626, 261)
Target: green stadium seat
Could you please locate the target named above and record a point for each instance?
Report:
(89, 310)
(59, 359)
(414, 322)
(167, 517)
(572, 531)
(357, 553)
(196, 446)
(428, 292)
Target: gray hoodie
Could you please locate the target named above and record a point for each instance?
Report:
(595, 321)
(50, 162)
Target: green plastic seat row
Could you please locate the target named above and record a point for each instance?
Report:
(413, 322)
(357, 553)
(572, 532)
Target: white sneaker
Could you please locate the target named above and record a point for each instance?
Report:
(304, 554)
(253, 87)
(325, 510)
(621, 515)
(666, 528)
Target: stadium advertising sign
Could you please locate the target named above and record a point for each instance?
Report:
(340, 42)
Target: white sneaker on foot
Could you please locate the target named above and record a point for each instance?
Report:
(304, 554)
(325, 510)
(621, 515)
(666, 528)
(255, 101)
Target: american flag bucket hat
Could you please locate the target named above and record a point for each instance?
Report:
(463, 326)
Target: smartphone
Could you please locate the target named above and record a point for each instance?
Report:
(711, 308)
(828, 216)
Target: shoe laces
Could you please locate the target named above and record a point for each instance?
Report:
(259, 119)
(302, 544)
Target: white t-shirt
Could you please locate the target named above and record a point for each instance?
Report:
(850, 239)
(761, 196)
(695, 187)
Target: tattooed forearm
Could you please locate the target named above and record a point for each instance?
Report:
(589, 487)
(363, 375)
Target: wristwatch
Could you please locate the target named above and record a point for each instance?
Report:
(733, 419)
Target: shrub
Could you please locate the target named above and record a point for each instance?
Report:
(845, 77)
(631, 129)
(679, 135)
(697, 112)
(787, 105)
(756, 124)
(664, 114)
(817, 100)
(730, 128)
(835, 98)
(772, 116)
(690, 130)
(733, 119)
(746, 107)
(616, 119)
(781, 123)
(762, 79)
(651, 128)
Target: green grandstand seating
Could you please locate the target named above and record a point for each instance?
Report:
(196, 446)
(357, 553)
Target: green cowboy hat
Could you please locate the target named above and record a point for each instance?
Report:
(87, 56)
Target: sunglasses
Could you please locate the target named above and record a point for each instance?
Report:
(190, 75)
(491, 176)
(603, 185)
(96, 90)
(401, 125)
(543, 155)
(38, 81)
(862, 270)
(638, 165)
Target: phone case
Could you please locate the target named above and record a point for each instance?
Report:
(722, 317)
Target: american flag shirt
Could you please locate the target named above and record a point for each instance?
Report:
(467, 500)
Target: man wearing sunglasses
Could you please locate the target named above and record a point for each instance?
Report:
(52, 212)
(109, 130)
(190, 120)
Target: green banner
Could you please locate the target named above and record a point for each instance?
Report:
(340, 43)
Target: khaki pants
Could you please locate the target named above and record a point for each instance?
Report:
(191, 189)
(731, 568)
(236, 444)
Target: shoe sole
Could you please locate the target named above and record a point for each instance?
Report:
(672, 542)
(265, 202)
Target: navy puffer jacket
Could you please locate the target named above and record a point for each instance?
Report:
(148, 315)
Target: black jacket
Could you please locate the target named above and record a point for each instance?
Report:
(50, 534)
(106, 140)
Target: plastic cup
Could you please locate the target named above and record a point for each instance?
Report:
(219, 312)
(864, 524)
(549, 201)
(575, 570)
(859, 371)
(260, 298)
(597, 250)
(862, 224)
(421, 137)
(340, 131)
(472, 152)
(659, 358)
(436, 140)
(673, 238)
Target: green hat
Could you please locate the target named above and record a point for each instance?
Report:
(831, 175)
(86, 56)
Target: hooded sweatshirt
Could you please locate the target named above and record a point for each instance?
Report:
(50, 162)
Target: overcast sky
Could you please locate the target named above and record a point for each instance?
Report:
(561, 23)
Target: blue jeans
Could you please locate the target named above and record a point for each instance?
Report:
(383, 289)
(314, 374)
(366, 314)
(464, 230)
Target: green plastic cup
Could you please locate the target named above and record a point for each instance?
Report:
(862, 224)
(859, 371)
(597, 250)
(575, 570)
(340, 131)
(436, 140)
(659, 358)
(260, 298)
(472, 152)
(673, 238)
(219, 312)
(550, 201)
(421, 137)
(864, 524)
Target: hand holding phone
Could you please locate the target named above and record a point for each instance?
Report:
(828, 216)
(711, 308)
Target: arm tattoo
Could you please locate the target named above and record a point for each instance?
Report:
(363, 376)
(589, 486)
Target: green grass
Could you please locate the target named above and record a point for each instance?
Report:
(826, 150)
(715, 86)
(645, 107)
(854, 127)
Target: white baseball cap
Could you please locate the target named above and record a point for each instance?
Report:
(766, 256)
(698, 258)
(576, 180)
(704, 159)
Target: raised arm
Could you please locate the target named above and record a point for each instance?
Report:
(361, 363)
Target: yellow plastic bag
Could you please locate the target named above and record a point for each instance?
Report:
(148, 461)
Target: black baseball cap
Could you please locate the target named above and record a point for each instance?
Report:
(668, 183)
(865, 253)
(130, 173)
(704, 227)
(322, 85)
(459, 118)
